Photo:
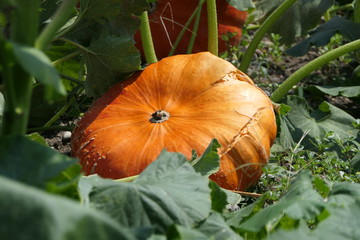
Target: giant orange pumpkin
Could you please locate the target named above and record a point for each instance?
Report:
(179, 103)
(168, 18)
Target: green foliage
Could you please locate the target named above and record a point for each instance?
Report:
(300, 18)
(310, 189)
(321, 35)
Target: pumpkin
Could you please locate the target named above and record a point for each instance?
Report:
(169, 16)
(179, 103)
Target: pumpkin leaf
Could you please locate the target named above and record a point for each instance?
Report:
(106, 58)
(209, 162)
(302, 16)
(321, 35)
(242, 5)
(167, 192)
(300, 202)
(352, 91)
(215, 226)
(36, 63)
(30, 162)
(355, 162)
(316, 123)
(183, 233)
(104, 33)
(341, 224)
(56, 217)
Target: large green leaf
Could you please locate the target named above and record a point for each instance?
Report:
(316, 123)
(300, 202)
(302, 16)
(106, 58)
(352, 91)
(344, 209)
(38, 65)
(167, 192)
(321, 36)
(104, 33)
(29, 162)
(31, 214)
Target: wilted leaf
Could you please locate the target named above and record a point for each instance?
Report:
(167, 192)
(29, 162)
(321, 36)
(31, 214)
(302, 16)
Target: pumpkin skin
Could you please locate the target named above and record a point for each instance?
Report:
(169, 17)
(206, 97)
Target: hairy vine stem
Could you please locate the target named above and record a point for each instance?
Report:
(274, 16)
(297, 76)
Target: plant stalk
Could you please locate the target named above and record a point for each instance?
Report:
(146, 39)
(61, 16)
(182, 32)
(301, 73)
(357, 11)
(264, 28)
(17, 82)
(196, 26)
(212, 27)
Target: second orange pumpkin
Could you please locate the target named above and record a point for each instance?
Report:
(169, 16)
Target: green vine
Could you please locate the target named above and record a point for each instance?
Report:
(297, 76)
(264, 28)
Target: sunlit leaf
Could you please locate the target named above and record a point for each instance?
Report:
(168, 191)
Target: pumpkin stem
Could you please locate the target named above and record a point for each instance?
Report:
(146, 39)
(159, 116)
(212, 27)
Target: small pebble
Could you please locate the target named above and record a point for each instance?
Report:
(66, 135)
